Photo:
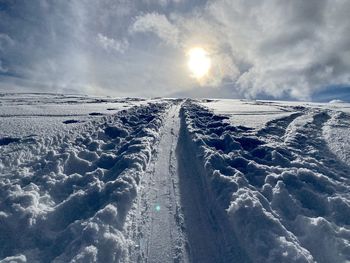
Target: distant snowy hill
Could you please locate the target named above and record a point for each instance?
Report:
(99, 179)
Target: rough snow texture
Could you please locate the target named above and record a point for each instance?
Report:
(337, 134)
(65, 199)
(38, 115)
(277, 191)
(250, 113)
(284, 192)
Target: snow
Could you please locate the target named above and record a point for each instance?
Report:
(336, 101)
(256, 114)
(40, 115)
(336, 134)
(285, 193)
(87, 179)
(71, 199)
(155, 224)
(247, 113)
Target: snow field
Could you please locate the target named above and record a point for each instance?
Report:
(250, 113)
(223, 181)
(41, 115)
(68, 203)
(284, 193)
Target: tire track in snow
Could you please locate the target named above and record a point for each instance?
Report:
(155, 225)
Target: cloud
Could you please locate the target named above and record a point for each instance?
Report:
(271, 48)
(157, 24)
(275, 48)
(184, 33)
(5, 41)
(112, 44)
(292, 48)
(162, 2)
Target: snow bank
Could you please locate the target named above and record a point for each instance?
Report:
(67, 201)
(283, 192)
(336, 133)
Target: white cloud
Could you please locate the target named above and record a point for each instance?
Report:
(293, 47)
(281, 49)
(184, 33)
(157, 24)
(112, 44)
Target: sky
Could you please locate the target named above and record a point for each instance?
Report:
(277, 49)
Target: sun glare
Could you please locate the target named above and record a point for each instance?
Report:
(199, 62)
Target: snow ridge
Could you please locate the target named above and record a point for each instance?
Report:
(337, 136)
(284, 194)
(91, 178)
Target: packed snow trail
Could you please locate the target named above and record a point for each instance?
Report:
(175, 218)
(155, 224)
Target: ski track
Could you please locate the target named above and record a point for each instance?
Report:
(174, 182)
(155, 224)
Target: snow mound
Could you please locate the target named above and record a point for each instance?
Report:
(70, 194)
(283, 192)
(336, 133)
(336, 101)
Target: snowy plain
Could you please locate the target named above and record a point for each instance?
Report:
(91, 179)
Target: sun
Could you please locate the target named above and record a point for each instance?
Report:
(199, 62)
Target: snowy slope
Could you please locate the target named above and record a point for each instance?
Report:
(171, 180)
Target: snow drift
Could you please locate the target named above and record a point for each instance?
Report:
(285, 195)
(66, 199)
